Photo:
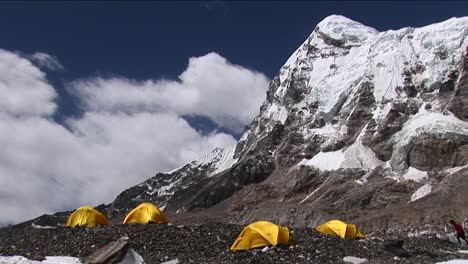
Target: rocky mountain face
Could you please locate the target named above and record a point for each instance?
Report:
(365, 126)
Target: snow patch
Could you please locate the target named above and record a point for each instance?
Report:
(325, 160)
(423, 123)
(225, 161)
(165, 190)
(414, 174)
(355, 260)
(360, 156)
(277, 113)
(208, 157)
(48, 260)
(328, 131)
(456, 169)
(41, 227)
(363, 179)
(421, 192)
(355, 156)
(419, 233)
(381, 111)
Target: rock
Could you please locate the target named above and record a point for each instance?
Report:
(193, 244)
(131, 257)
(396, 247)
(432, 153)
(110, 253)
(38, 258)
(355, 260)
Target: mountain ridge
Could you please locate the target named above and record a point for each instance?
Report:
(354, 125)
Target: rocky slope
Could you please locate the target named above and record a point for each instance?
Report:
(366, 126)
(210, 243)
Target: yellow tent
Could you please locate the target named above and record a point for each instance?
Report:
(341, 229)
(259, 234)
(145, 213)
(86, 216)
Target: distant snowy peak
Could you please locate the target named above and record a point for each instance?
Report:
(160, 188)
(345, 29)
(341, 56)
(334, 48)
(335, 31)
(348, 79)
(218, 159)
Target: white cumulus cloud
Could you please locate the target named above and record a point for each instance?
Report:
(129, 131)
(228, 94)
(23, 87)
(47, 61)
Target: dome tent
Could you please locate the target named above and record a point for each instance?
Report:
(341, 229)
(86, 216)
(259, 234)
(144, 213)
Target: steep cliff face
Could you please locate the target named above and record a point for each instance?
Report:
(354, 125)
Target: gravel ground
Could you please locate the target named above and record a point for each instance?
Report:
(210, 243)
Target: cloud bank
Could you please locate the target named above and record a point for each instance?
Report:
(129, 131)
(228, 94)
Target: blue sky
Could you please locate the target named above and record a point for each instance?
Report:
(155, 39)
(145, 40)
(99, 96)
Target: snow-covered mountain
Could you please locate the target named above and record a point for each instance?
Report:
(363, 125)
(366, 126)
(347, 83)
